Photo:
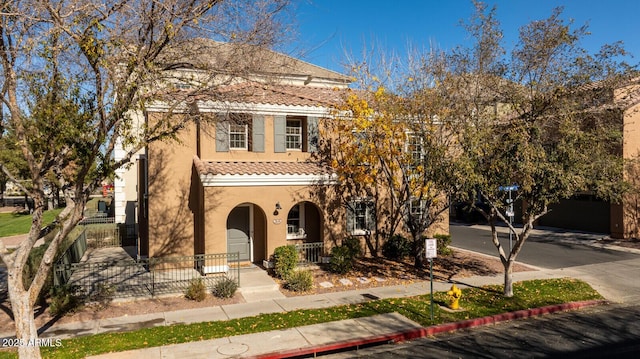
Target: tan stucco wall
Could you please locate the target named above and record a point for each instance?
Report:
(625, 217)
(270, 229)
(172, 198)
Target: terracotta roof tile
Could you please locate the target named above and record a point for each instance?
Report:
(258, 168)
(257, 93)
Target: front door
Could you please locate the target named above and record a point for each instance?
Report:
(238, 232)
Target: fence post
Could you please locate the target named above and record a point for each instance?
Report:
(238, 267)
(153, 277)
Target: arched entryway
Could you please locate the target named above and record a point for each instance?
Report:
(304, 222)
(246, 232)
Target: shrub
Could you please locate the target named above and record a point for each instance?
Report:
(354, 246)
(396, 247)
(286, 260)
(341, 261)
(102, 295)
(225, 288)
(443, 242)
(300, 281)
(64, 299)
(196, 290)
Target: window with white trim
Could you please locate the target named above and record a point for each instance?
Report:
(293, 134)
(417, 208)
(361, 217)
(415, 147)
(295, 222)
(238, 136)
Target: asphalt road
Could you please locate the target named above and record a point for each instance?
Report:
(611, 331)
(600, 332)
(548, 251)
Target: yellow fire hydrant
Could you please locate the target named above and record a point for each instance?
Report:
(454, 297)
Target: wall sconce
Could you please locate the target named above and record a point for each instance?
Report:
(278, 207)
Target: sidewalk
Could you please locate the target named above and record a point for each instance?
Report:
(281, 343)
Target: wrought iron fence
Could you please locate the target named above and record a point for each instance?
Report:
(72, 255)
(310, 252)
(103, 235)
(143, 277)
(128, 234)
(96, 220)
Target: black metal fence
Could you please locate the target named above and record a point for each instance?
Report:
(101, 236)
(143, 277)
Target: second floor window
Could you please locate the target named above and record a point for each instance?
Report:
(415, 148)
(238, 134)
(293, 140)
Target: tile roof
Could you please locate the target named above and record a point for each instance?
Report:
(291, 95)
(258, 168)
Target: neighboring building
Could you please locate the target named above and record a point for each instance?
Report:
(585, 211)
(242, 176)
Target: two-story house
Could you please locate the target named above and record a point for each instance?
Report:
(239, 176)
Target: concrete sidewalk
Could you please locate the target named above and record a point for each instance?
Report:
(308, 339)
(287, 342)
(279, 304)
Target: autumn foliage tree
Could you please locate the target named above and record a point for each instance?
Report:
(391, 144)
(73, 72)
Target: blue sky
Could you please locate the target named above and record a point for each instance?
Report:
(328, 28)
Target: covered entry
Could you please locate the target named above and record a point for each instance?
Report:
(239, 232)
(246, 232)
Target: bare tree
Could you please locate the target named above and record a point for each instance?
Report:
(73, 72)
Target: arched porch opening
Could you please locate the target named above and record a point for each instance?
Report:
(246, 232)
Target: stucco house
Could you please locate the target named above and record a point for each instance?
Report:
(242, 176)
(585, 211)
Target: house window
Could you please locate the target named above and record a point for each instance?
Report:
(293, 140)
(417, 208)
(238, 134)
(361, 217)
(415, 148)
(295, 222)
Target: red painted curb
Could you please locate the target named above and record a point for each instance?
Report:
(423, 332)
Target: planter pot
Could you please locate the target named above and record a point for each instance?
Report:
(268, 264)
(325, 260)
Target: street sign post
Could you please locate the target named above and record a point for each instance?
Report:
(509, 212)
(431, 252)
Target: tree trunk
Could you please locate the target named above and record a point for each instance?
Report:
(373, 248)
(23, 316)
(508, 279)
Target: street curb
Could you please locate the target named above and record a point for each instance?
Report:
(428, 331)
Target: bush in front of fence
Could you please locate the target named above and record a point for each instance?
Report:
(102, 295)
(286, 260)
(300, 281)
(196, 290)
(225, 288)
(65, 299)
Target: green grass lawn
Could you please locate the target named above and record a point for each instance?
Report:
(477, 302)
(12, 224)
